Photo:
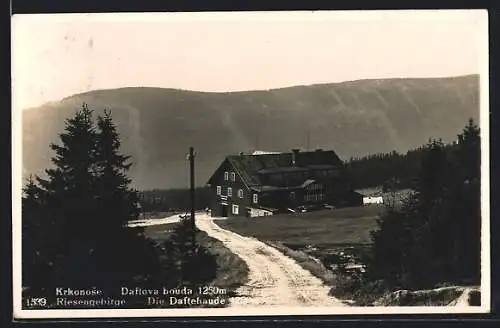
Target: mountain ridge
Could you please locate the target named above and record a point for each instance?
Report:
(270, 89)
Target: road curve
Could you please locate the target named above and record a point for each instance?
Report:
(274, 279)
(154, 222)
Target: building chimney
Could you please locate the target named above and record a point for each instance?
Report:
(295, 153)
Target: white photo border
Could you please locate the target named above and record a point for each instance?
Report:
(19, 313)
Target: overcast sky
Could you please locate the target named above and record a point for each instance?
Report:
(55, 56)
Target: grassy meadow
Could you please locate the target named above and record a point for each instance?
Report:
(327, 228)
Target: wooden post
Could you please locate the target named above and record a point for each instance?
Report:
(192, 188)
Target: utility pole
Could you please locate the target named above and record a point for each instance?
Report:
(192, 184)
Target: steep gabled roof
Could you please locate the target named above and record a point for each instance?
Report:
(250, 167)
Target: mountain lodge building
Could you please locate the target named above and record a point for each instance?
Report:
(258, 184)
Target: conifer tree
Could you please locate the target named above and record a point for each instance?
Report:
(126, 251)
(70, 201)
(391, 250)
(117, 201)
(469, 151)
(36, 263)
(194, 266)
(435, 237)
(468, 204)
(86, 204)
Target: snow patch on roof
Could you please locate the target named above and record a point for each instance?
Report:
(263, 152)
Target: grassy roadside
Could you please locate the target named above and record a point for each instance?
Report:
(307, 262)
(433, 297)
(232, 271)
(353, 291)
(327, 276)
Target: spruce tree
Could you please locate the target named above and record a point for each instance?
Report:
(30, 224)
(126, 252)
(194, 266)
(435, 237)
(391, 259)
(469, 152)
(117, 201)
(36, 261)
(70, 200)
(468, 204)
(83, 206)
(429, 247)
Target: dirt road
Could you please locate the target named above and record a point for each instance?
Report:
(274, 279)
(154, 222)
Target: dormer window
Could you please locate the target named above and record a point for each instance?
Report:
(233, 176)
(226, 176)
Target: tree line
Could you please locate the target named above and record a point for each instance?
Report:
(388, 170)
(434, 238)
(74, 222)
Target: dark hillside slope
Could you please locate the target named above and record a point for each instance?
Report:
(354, 118)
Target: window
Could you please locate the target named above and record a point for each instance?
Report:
(219, 190)
(240, 193)
(236, 209)
(292, 195)
(229, 191)
(226, 176)
(233, 176)
(255, 198)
